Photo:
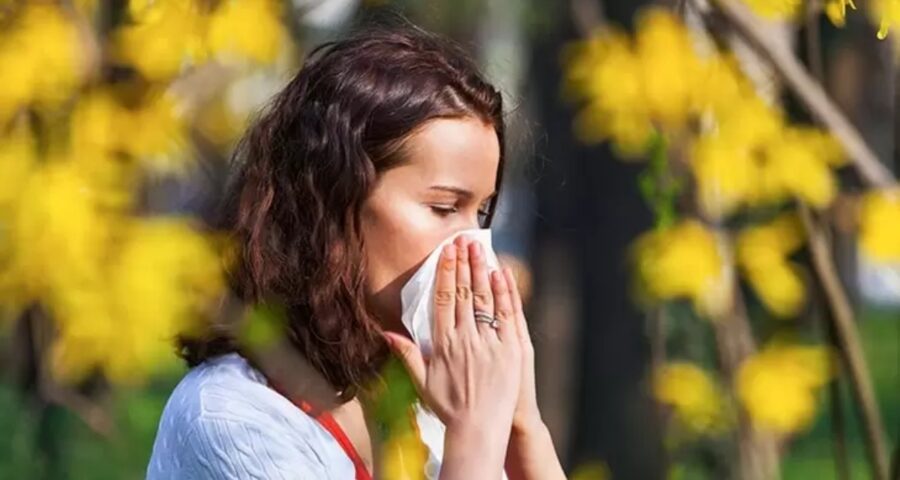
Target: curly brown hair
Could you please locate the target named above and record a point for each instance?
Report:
(304, 170)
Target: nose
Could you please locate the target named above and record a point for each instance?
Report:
(471, 223)
(462, 226)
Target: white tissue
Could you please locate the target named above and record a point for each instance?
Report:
(417, 295)
(417, 298)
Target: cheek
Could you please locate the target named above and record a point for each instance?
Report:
(399, 238)
(414, 234)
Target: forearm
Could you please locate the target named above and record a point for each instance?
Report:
(531, 456)
(472, 452)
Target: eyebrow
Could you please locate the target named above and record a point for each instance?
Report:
(462, 192)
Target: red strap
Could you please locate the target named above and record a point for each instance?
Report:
(329, 423)
(332, 426)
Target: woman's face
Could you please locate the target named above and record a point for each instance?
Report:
(448, 177)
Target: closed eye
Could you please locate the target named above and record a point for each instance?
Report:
(444, 210)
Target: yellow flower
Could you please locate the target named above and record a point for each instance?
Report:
(762, 252)
(260, 40)
(726, 161)
(95, 140)
(117, 305)
(776, 239)
(685, 261)
(886, 13)
(157, 286)
(879, 225)
(792, 167)
(750, 122)
(779, 286)
(41, 57)
(629, 134)
(837, 11)
(96, 124)
(588, 75)
(720, 85)
(693, 395)
(670, 66)
(726, 173)
(404, 456)
(87, 333)
(777, 386)
(776, 9)
(605, 72)
(57, 233)
(656, 81)
(165, 36)
(162, 283)
(753, 158)
(17, 161)
(822, 144)
(17, 164)
(157, 134)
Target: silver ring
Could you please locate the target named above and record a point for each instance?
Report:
(487, 318)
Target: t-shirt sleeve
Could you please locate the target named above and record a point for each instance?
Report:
(235, 448)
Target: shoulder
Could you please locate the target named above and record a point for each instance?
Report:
(223, 421)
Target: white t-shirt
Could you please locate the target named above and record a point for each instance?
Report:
(222, 421)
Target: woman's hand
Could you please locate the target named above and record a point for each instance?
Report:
(531, 454)
(472, 379)
(527, 417)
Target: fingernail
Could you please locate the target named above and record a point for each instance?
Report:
(475, 250)
(450, 251)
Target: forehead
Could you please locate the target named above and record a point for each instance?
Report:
(463, 152)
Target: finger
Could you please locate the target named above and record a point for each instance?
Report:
(445, 295)
(410, 355)
(482, 297)
(503, 309)
(465, 319)
(518, 308)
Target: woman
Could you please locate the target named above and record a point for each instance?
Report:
(382, 146)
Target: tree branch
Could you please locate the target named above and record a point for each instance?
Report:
(850, 345)
(814, 59)
(758, 455)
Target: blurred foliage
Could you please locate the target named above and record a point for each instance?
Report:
(81, 453)
(90, 456)
(726, 169)
(778, 385)
(694, 396)
(103, 98)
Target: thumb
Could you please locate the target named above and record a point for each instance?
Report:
(409, 354)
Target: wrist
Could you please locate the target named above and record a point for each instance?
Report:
(477, 435)
(530, 452)
(529, 427)
(465, 442)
